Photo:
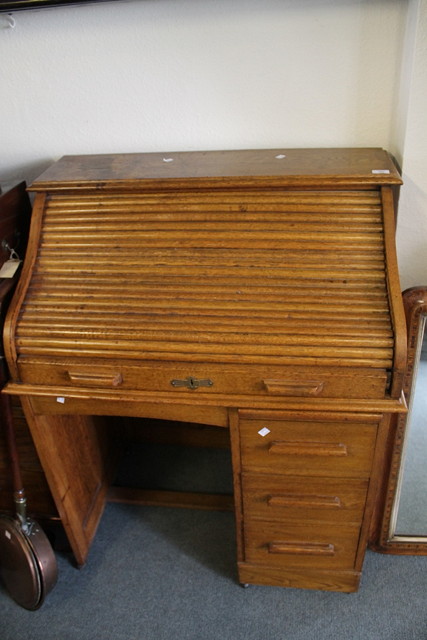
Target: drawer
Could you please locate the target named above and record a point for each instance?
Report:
(282, 498)
(321, 546)
(208, 378)
(308, 447)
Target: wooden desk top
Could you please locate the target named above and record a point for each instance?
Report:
(280, 167)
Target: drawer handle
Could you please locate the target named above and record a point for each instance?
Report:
(294, 387)
(302, 548)
(295, 500)
(307, 448)
(108, 379)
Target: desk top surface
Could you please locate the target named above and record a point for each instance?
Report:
(281, 166)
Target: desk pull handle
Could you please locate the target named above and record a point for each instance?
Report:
(307, 448)
(295, 500)
(302, 548)
(101, 379)
(293, 387)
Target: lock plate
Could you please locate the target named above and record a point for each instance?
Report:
(192, 383)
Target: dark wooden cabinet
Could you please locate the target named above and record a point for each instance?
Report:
(15, 212)
(252, 290)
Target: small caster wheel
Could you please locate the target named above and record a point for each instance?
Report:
(244, 585)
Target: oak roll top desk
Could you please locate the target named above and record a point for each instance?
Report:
(256, 291)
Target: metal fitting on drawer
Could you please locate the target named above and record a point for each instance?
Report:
(192, 383)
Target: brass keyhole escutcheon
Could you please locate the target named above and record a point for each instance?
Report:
(192, 383)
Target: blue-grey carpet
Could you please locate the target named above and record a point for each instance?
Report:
(169, 574)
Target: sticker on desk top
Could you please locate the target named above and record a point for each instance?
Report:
(380, 171)
(60, 399)
(264, 431)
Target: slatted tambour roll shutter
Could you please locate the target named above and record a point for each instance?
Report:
(250, 276)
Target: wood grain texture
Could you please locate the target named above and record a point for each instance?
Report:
(252, 167)
(296, 545)
(76, 449)
(245, 284)
(305, 445)
(310, 498)
(393, 285)
(269, 275)
(15, 213)
(299, 578)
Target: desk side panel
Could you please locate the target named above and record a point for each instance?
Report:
(76, 456)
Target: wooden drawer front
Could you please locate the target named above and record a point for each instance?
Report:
(298, 447)
(187, 377)
(281, 498)
(322, 546)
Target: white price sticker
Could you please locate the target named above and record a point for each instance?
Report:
(9, 268)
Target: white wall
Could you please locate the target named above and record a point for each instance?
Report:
(412, 226)
(163, 75)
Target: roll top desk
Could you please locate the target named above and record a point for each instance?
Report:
(255, 291)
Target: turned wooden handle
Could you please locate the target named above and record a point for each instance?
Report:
(295, 500)
(307, 448)
(103, 379)
(294, 387)
(302, 548)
